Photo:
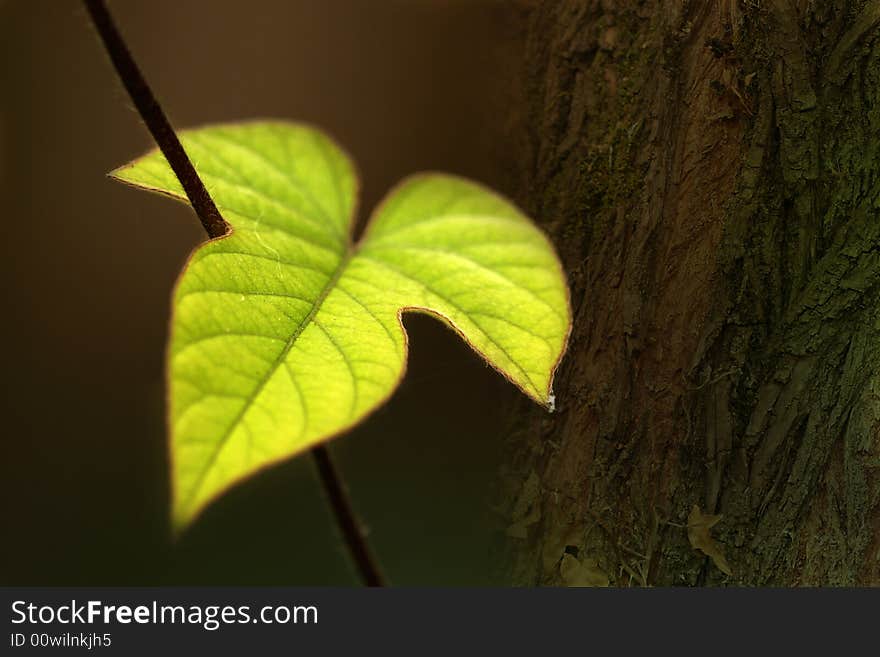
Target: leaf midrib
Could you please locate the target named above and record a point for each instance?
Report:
(350, 252)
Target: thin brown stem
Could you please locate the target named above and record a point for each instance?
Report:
(157, 123)
(160, 128)
(352, 530)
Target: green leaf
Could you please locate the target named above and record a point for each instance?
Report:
(285, 333)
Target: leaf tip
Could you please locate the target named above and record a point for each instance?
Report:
(119, 173)
(182, 516)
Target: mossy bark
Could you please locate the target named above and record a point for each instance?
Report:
(710, 172)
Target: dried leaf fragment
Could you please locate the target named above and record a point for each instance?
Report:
(698, 527)
(577, 573)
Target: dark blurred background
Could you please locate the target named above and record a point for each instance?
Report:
(88, 265)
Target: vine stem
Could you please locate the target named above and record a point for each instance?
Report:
(215, 226)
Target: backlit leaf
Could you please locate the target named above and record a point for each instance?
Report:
(286, 333)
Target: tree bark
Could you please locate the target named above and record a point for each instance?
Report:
(710, 172)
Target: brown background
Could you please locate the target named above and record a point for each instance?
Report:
(87, 267)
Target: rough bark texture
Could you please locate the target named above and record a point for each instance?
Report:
(710, 172)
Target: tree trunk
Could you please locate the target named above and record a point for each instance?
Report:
(710, 172)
